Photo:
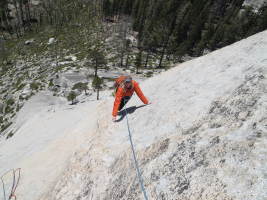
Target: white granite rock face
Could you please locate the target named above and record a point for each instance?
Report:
(204, 136)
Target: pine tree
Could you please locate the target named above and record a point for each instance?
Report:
(127, 7)
(128, 45)
(81, 87)
(122, 35)
(262, 20)
(5, 17)
(178, 40)
(98, 60)
(71, 97)
(97, 84)
(4, 53)
(107, 9)
(138, 61)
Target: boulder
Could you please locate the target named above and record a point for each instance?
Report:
(28, 42)
(51, 41)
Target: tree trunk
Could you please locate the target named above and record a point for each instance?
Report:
(18, 24)
(127, 60)
(40, 19)
(166, 42)
(124, 28)
(161, 58)
(22, 14)
(96, 68)
(97, 94)
(28, 14)
(7, 23)
(28, 10)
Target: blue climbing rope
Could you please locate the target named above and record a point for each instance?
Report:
(4, 189)
(134, 156)
(16, 179)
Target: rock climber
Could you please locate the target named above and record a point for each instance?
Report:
(125, 87)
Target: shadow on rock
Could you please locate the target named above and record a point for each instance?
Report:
(129, 110)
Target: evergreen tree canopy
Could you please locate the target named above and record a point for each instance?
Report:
(188, 27)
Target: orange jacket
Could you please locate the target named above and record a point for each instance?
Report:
(121, 92)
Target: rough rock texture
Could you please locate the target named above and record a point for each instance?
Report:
(204, 136)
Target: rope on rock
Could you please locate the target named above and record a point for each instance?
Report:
(16, 179)
(135, 160)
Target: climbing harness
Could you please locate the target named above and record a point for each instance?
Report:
(134, 156)
(15, 183)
